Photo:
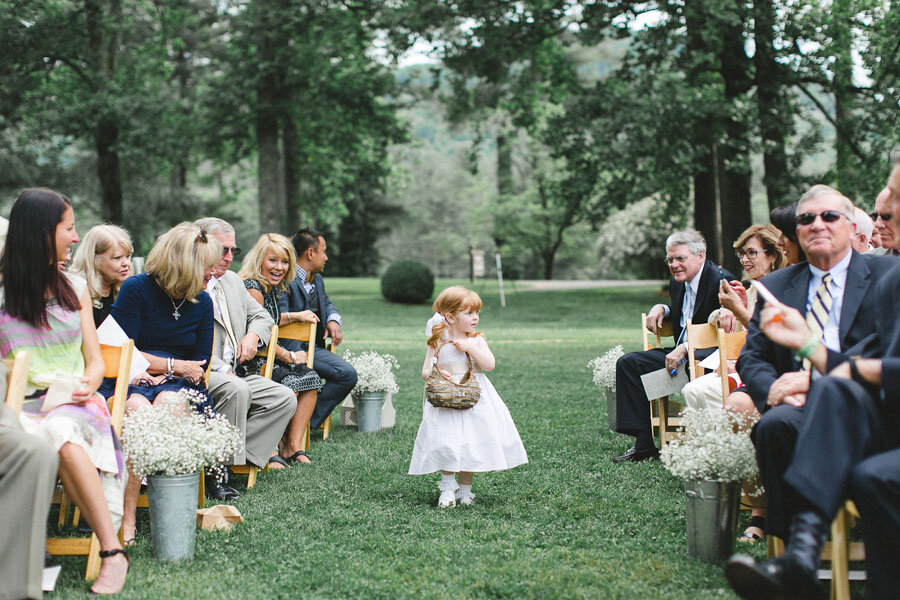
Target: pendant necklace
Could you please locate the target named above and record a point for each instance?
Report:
(175, 313)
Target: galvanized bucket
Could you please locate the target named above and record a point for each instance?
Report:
(173, 515)
(368, 411)
(712, 517)
(610, 394)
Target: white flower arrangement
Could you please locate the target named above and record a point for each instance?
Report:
(604, 367)
(171, 438)
(715, 446)
(374, 371)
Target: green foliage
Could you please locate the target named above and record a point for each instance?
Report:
(407, 282)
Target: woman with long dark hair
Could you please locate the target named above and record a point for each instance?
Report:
(49, 314)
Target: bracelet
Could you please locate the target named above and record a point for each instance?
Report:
(293, 356)
(170, 366)
(807, 349)
(854, 372)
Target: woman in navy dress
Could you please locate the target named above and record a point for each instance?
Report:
(170, 318)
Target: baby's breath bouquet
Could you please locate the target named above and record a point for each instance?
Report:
(604, 367)
(715, 446)
(171, 438)
(375, 371)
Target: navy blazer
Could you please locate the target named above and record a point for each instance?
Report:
(707, 296)
(296, 300)
(762, 361)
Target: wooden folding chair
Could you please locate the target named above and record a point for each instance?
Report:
(118, 363)
(730, 345)
(303, 332)
(698, 337)
(660, 420)
(17, 380)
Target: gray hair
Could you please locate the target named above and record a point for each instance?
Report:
(692, 238)
(214, 225)
(864, 224)
(819, 190)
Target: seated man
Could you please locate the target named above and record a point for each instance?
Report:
(307, 292)
(694, 290)
(885, 224)
(835, 292)
(849, 448)
(864, 229)
(27, 480)
(257, 406)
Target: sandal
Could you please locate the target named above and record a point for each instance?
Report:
(293, 457)
(754, 522)
(278, 460)
(106, 554)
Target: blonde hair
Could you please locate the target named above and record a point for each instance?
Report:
(86, 261)
(281, 246)
(179, 258)
(453, 301)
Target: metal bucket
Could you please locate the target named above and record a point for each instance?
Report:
(368, 411)
(173, 515)
(610, 394)
(712, 516)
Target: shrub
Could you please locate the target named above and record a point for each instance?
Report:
(407, 282)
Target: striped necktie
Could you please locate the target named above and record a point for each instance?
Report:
(818, 313)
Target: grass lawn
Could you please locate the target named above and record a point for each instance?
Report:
(570, 524)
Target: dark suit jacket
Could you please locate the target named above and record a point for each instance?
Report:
(888, 346)
(762, 361)
(707, 296)
(296, 300)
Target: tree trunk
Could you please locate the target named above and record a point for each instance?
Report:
(705, 207)
(842, 88)
(775, 111)
(272, 209)
(504, 165)
(290, 146)
(108, 171)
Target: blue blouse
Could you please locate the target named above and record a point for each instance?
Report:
(144, 311)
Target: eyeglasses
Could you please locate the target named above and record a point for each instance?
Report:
(751, 253)
(884, 216)
(235, 252)
(673, 259)
(828, 216)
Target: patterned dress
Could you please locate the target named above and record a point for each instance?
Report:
(299, 378)
(58, 348)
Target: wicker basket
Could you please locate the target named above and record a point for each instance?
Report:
(441, 392)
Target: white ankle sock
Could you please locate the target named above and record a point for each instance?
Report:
(451, 478)
(465, 490)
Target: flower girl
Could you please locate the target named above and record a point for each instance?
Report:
(478, 439)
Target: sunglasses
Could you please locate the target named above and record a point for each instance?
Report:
(234, 251)
(884, 216)
(828, 216)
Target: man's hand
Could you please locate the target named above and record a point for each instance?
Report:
(784, 326)
(675, 356)
(655, 318)
(842, 371)
(334, 330)
(789, 389)
(247, 347)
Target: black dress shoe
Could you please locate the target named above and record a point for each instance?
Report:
(635, 455)
(780, 578)
(220, 491)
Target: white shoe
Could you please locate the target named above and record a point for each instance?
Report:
(465, 499)
(447, 499)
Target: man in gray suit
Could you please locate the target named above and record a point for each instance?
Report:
(259, 407)
(27, 478)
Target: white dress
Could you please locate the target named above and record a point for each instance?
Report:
(482, 438)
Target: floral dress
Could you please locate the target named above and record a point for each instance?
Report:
(299, 378)
(58, 348)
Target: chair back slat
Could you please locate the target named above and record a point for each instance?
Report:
(664, 331)
(729, 345)
(303, 332)
(117, 360)
(17, 381)
(698, 337)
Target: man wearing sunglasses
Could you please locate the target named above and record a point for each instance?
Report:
(694, 292)
(834, 291)
(885, 223)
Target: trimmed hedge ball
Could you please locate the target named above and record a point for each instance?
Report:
(407, 282)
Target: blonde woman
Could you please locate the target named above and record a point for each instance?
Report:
(170, 318)
(104, 259)
(268, 269)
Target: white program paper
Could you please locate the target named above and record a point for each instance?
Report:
(711, 362)
(659, 383)
(48, 579)
(59, 392)
(111, 334)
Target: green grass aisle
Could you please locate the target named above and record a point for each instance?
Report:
(568, 525)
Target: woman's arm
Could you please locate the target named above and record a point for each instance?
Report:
(94, 368)
(304, 316)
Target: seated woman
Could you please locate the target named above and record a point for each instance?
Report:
(784, 218)
(268, 269)
(170, 318)
(104, 259)
(48, 313)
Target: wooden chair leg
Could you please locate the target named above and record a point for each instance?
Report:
(64, 503)
(663, 421)
(201, 493)
(93, 561)
(840, 556)
(776, 546)
(76, 517)
(251, 477)
(326, 428)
